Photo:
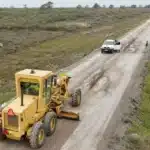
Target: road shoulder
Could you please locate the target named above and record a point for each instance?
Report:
(121, 120)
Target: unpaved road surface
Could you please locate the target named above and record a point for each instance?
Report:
(103, 79)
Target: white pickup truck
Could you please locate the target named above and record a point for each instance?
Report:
(111, 46)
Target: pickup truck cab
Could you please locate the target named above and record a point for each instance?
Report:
(111, 46)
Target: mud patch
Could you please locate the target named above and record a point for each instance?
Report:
(102, 84)
(94, 78)
(89, 83)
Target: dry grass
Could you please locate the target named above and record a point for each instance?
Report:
(44, 48)
(141, 126)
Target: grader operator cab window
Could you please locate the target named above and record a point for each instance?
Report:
(30, 88)
(47, 89)
(54, 80)
(48, 84)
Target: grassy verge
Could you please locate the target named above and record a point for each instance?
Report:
(139, 132)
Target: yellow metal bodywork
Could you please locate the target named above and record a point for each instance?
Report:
(27, 113)
(35, 107)
(38, 76)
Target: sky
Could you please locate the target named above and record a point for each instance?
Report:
(70, 3)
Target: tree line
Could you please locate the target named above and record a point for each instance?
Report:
(49, 4)
(96, 5)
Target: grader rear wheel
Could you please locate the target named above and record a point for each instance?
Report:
(37, 137)
(76, 98)
(2, 136)
(50, 122)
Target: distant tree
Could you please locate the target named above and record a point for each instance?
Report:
(96, 5)
(104, 6)
(140, 6)
(79, 6)
(122, 6)
(87, 6)
(128, 6)
(12, 7)
(111, 6)
(133, 6)
(147, 6)
(47, 5)
(25, 5)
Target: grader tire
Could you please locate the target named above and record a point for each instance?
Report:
(2, 136)
(37, 137)
(76, 98)
(50, 122)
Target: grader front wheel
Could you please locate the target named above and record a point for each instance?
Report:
(50, 122)
(76, 98)
(37, 137)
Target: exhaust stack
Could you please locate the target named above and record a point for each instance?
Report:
(22, 104)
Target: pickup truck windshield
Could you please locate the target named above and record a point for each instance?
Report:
(109, 43)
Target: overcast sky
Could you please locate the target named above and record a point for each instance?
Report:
(69, 3)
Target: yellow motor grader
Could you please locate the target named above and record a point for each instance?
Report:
(40, 97)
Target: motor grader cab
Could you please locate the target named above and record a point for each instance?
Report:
(39, 101)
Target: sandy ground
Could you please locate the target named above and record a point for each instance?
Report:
(113, 73)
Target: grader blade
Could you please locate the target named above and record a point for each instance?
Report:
(69, 115)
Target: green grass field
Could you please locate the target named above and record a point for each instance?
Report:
(52, 39)
(141, 126)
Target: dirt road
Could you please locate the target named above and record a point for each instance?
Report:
(112, 74)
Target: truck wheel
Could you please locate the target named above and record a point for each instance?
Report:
(111, 51)
(76, 98)
(50, 122)
(37, 137)
(102, 51)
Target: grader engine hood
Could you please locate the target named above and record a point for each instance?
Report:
(16, 104)
(14, 114)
